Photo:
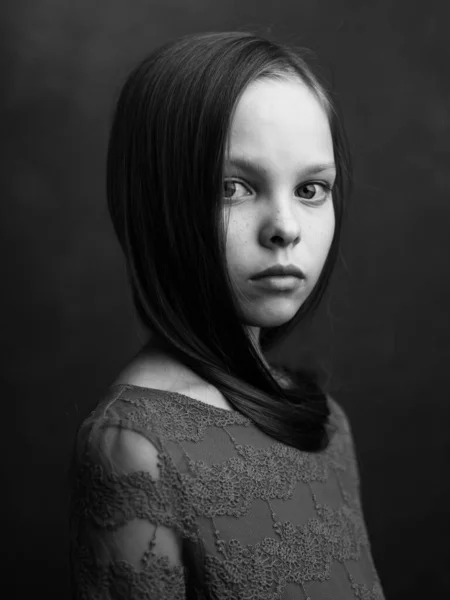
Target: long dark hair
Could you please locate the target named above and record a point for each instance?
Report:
(165, 197)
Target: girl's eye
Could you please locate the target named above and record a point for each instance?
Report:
(311, 194)
(231, 182)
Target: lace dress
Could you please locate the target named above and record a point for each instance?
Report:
(156, 473)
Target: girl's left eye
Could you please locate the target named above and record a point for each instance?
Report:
(321, 197)
(309, 189)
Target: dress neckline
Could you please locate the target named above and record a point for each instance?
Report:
(151, 391)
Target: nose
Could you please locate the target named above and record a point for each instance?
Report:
(281, 229)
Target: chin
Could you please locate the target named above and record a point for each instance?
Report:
(274, 318)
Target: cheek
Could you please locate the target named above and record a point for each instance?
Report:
(322, 236)
(235, 246)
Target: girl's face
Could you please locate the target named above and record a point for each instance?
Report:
(279, 206)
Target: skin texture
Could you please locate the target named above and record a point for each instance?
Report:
(286, 215)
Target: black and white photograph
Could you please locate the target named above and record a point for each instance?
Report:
(226, 299)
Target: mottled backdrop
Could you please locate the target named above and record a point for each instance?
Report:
(383, 333)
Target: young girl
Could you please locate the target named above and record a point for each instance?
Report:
(205, 471)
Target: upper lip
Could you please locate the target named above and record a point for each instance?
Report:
(280, 270)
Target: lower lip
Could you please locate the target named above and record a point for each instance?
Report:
(281, 283)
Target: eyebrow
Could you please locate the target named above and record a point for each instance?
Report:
(248, 165)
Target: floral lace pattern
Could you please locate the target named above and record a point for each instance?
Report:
(274, 523)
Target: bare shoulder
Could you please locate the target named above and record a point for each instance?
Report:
(160, 372)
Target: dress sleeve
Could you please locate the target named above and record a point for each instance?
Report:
(126, 520)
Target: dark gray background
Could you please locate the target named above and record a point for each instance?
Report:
(383, 333)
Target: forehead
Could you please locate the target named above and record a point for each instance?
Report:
(280, 117)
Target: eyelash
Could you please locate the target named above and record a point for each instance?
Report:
(327, 187)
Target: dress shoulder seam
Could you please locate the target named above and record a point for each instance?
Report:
(112, 400)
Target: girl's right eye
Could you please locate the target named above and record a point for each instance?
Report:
(234, 183)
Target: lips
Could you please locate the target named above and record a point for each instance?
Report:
(280, 271)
